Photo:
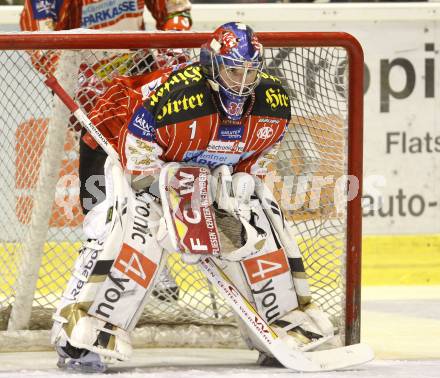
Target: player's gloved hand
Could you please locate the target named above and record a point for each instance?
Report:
(177, 22)
(171, 57)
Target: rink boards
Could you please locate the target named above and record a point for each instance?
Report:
(387, 260)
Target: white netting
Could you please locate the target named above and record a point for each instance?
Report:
(313, 157)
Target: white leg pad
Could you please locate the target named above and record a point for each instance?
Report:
(113, 275)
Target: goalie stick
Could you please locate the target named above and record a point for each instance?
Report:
(291, 358)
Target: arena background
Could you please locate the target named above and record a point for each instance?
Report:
(401, 242)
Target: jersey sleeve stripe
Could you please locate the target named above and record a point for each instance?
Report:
(177, 152)
(103, 120)
(171, 145)
(248, 128)
(159, 137)
(214, 134)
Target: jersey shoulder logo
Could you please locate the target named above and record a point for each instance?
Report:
(183, 96)
(271, 99)
(186, 77)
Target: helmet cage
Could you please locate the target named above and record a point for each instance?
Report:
(238, 77)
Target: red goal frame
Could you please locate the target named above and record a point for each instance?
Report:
(98, 41)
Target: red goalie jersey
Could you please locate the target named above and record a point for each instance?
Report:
(172, 115)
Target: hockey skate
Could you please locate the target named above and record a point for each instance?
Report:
(79, 360)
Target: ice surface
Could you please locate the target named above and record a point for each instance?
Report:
(402, 324)
(208, 363)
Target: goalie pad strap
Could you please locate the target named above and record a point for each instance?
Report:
(102, 267)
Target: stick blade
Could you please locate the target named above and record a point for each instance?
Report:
(342, 358)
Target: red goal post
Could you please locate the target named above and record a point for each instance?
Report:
(327, 107)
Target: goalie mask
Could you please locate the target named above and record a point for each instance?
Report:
(233, 61)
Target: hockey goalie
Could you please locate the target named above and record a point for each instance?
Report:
(194, 142)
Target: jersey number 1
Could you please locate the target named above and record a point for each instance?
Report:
(193, 128)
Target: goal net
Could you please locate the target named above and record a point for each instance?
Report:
(315, 177)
